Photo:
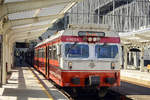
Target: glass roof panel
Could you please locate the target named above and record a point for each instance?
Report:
(51, 10)
(7, 1)
(21, 15)
(42, 23)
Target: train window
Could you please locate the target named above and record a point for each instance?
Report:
(35, 53)
(50, 53)
(40, 53)
(43, 52)
(106, 51)
(55, 52)
(77, 51)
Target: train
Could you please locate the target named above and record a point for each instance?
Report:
(81, 56)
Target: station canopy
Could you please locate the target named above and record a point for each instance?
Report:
(27, 19)
(136, 37)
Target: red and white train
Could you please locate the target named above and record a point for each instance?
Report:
(81, 56)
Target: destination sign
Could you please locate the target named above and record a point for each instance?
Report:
(91, 33)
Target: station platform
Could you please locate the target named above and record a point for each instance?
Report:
(136, 77)
(25, 83)
(134, 85)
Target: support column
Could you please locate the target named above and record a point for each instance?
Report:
(4, 74)
(125, 57)
(130, 56)
(1, 61)
(9, 58)
(142, 60)
(135, 60)
(12, 56)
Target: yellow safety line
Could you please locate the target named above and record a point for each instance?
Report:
(44, 89)
(135, 81)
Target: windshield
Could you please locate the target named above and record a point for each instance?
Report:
(77, 51)
(106, 51)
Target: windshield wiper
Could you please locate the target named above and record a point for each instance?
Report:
(71, 48)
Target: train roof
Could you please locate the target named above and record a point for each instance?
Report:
(58, 34)
(72, 30)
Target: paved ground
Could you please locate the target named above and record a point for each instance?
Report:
(23, 85)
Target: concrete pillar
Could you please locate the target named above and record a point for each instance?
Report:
(142, 60)
(7, 54)
(4, 74)
(125, 57)
(1, 61)
(130, 56)
(135, 60)
(9, 58)
(12, 56)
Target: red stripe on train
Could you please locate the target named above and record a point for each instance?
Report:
(80, 39)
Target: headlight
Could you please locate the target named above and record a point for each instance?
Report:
(95, 39)
(89, 39)
(70, 65)
(112, 65)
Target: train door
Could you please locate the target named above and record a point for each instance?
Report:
(38, 59)
(47, 62)
(44, 60)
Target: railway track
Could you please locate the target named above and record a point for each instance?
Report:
(81, 94)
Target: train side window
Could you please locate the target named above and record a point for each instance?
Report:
(39, 53)
(50, 53)
(42, 53)
(55, 53)
(35, 53)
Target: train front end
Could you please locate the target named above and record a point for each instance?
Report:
(90, 59)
